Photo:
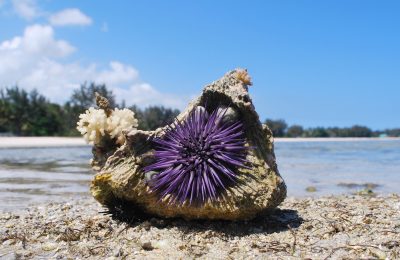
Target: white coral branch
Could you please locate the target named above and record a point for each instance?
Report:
(120, 120)
(94, 124)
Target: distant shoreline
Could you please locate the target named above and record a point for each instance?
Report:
(37, 142)
(333, 139)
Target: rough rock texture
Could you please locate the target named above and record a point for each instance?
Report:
(121, 176)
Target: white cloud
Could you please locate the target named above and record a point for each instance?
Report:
(118, 74)
(37, 59)
(38, 39)
(26, 9)
(143, 94)
(72, 16)
(22, 53)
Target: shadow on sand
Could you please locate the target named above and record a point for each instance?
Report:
(273, 221)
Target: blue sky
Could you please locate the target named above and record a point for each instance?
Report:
(314, 63)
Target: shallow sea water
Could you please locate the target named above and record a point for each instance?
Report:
(339, 167)
(34, 175)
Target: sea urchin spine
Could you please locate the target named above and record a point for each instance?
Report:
(197, 159)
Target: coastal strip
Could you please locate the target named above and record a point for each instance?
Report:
(37, 142)
(334, 139)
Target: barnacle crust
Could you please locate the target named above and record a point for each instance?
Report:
(258, 187)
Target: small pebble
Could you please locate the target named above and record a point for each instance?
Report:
(147, 246)
(311, 189)
(49, 246)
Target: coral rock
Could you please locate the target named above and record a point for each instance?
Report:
(259, 186)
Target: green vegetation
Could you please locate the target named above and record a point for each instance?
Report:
(280, 128)
(32, 114)
(154, 116)
(25, 113)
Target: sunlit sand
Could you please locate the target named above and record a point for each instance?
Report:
(15, 142)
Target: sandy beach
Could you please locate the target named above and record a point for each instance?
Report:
(18, 142)
(351, 227)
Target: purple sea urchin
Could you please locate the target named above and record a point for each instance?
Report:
(196, 160)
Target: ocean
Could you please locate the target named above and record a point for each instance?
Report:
(309, 168)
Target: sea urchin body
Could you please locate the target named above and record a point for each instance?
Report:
(197, 159)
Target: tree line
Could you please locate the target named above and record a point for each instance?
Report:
(280, 128)
(25, 113)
